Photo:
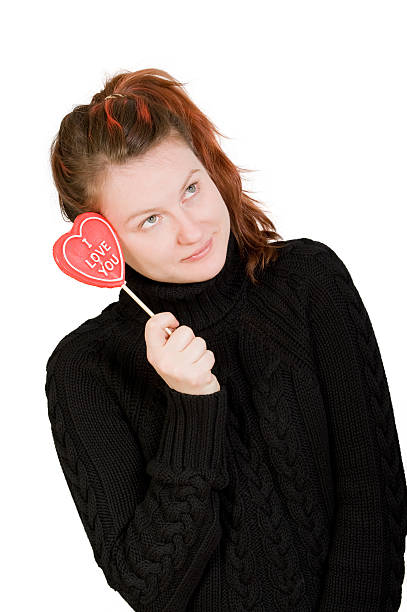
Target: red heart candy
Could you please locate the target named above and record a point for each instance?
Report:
(90, 252)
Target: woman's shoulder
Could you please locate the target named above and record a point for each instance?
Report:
(306, 256)
(307, 247)
(84, 340)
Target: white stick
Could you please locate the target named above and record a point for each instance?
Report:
(143, 306)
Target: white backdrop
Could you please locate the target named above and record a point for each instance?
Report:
(312, 96)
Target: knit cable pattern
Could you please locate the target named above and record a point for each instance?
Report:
(143, 567)
(392, 479)
(235, 546)
(279, 433)
(75, 472)
(283, 569)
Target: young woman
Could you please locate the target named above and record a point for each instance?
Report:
(249, 460)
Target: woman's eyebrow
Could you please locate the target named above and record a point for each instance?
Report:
(143, 212)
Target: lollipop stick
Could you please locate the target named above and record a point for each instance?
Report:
(143, 306)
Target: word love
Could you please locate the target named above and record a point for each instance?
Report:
(105, 266)
(91, 252)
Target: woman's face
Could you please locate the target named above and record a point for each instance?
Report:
(162, 213)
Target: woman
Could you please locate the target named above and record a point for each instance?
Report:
(249, 460)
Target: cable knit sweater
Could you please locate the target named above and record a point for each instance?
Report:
(283, 491)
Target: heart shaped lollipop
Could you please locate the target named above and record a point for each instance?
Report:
(90, 253)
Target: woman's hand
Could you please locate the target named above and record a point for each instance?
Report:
(181, 359)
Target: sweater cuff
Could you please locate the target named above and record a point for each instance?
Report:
(193, 438)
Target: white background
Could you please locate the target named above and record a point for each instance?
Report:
(311, 95)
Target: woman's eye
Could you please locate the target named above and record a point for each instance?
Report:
(192, 185)
(151, 216)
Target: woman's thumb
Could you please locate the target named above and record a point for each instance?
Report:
(155, 334)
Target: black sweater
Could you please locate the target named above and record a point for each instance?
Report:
(283, 491)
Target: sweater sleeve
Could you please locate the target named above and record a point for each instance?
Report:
(365, 566)
(152, 527)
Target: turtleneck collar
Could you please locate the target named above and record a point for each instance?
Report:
(197, 305)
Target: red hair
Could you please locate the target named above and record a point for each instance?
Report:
(152, 107)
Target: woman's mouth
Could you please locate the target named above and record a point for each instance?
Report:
(202, 253)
